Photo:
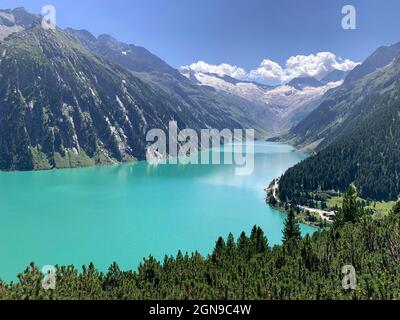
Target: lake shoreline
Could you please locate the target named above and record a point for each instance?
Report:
(271, 193)
(302, 215)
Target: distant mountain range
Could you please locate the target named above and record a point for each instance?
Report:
(288, 103)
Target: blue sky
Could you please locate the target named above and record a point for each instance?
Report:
(238, 32)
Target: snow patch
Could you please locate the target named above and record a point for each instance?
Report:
(281, 100)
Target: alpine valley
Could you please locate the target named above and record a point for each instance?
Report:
(329, 147)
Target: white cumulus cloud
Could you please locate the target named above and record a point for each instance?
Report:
(223, 69)
(314, 65)
(268, 70)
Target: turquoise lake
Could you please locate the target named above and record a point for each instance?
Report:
(127, 212)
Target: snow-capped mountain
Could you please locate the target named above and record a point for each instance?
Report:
(289, 103)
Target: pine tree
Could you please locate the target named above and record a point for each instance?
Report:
(230, 244)
(292, 227)
(396, 208)
(350, 207)
(350, 211)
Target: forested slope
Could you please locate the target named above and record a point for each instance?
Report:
(368, 156)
